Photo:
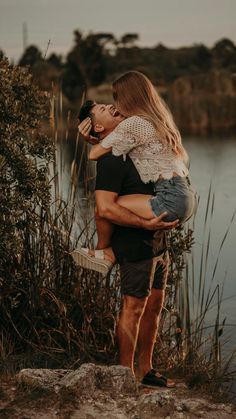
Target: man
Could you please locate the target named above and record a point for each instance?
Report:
(142, 255)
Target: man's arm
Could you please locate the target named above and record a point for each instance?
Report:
(108, 208)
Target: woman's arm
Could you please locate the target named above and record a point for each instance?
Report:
(98, 151)
(122, 140)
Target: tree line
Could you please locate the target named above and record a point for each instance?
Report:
(98, 58)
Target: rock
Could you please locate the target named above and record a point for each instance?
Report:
(116, 380)
(44, 379)
(179, 409)
(98, 410)
(104, 392)
(81, 381)
(191, 405)
(89, 377)
(157, 404)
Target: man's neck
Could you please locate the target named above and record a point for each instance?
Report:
(108, 131)
(105, 134)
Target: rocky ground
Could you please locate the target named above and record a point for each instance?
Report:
(93, 392)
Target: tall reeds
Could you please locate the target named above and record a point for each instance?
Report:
(192, 323)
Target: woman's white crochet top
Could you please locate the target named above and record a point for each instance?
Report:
(138, 138)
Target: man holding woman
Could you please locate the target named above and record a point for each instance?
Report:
(140, 251)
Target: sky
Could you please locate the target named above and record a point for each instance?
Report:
(173, 23)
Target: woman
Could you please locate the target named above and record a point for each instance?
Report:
(152, 140)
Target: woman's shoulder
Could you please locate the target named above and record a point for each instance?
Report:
(134, 122)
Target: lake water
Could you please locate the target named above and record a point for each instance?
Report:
(213, 162)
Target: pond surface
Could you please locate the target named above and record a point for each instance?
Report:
(213, 162)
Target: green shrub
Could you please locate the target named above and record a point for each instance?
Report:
(25, 152)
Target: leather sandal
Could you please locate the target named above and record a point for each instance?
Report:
(152, 380)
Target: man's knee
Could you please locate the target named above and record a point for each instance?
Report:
(133, 306)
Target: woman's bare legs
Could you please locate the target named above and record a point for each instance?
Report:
(104, 232)
(136, 203)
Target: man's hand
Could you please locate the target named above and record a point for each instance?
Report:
(84, 128)
(158, 223)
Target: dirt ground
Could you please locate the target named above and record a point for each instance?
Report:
(17, 402)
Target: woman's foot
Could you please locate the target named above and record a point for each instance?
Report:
(107, 254)
(95, 260)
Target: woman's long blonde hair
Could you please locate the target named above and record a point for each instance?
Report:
(134, 94)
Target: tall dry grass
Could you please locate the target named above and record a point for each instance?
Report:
(193, 323)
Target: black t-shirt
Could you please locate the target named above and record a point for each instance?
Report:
(116, 175)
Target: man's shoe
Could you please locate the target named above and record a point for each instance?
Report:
(153, 379)
(96, 263)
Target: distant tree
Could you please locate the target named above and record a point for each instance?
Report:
(93, 59)
(224, 45)
(129, 39)
(31, 56)
(127, 54)
(46, 75)
(164, 64)
(73, 82)
(202, 57)
(55, 60)
(160, 48)
(45, 72)
(224, 53)
(86, 63)
(105, 39)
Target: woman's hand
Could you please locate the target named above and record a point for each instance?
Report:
(84, 129)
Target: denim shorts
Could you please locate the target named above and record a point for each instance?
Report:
(176, 196)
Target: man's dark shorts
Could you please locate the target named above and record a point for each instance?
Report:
(139, 277)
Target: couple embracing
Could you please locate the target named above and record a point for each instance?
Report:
(142, 190)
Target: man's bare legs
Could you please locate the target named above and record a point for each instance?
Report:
(128, 328)
(137, 327)
(148, 331)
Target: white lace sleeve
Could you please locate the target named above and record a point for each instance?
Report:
(127, 135)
